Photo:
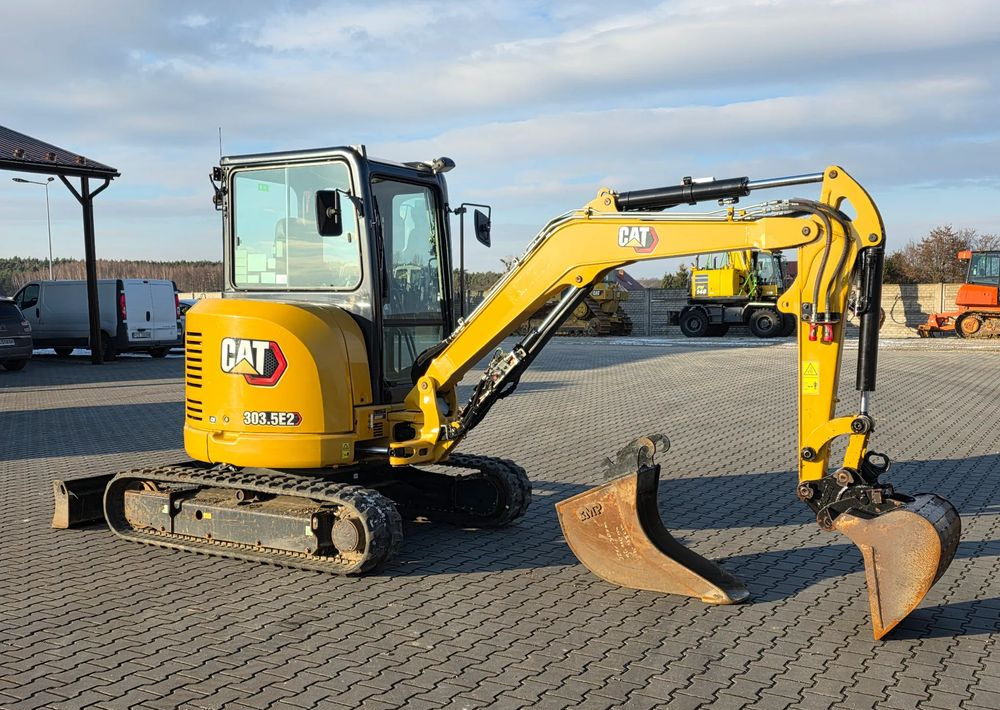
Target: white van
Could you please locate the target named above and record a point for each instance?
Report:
(136, 315)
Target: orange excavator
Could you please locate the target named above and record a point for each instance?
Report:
(978, 301)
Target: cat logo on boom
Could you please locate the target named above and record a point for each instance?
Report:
(261, 362)
(642, 239)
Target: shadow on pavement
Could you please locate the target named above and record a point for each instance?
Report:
(47, 371)
(91, 431)
(968, 618)
(536, 542)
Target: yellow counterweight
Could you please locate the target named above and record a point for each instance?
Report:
(274, 384)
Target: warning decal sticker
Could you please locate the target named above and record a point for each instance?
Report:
(810, 377)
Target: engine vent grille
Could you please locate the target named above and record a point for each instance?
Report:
(376, 420)
(193, 409)
(192, 361)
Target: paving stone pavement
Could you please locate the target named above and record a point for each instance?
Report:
(508, 618)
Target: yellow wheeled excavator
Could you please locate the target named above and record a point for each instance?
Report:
(321, 400)
(735, 288)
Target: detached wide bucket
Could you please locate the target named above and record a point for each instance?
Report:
(78, 501)
(906, 551)
(616, 532)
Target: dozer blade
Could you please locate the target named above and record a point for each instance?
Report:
(616, 532)
(906, 551)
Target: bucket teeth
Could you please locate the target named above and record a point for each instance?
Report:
(615, 530)
(905, 551)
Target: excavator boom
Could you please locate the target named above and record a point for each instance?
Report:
(615, 529)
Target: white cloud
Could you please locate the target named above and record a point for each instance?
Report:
(538, 102)
(196, 20)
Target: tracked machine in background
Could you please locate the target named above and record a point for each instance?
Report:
(321, 392)
(735, 288)
(978, 301)
(600, 313)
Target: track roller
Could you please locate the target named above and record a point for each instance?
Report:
(490, 493)
(255, 514)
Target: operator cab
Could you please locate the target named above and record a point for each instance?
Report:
(770, 270)
(984, 268)
(386, 261)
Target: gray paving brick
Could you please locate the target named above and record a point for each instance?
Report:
(507, 618)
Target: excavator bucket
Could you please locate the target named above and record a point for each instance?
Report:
(905, 550)
(615, 530)
(79, 501)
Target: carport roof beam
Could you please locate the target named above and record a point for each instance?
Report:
(29, 155)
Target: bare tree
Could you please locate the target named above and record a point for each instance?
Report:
(934, 259)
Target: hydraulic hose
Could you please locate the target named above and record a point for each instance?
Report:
(814, 208)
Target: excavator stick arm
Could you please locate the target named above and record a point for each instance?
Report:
(615, 529)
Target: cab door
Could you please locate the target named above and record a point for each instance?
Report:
(413, 295)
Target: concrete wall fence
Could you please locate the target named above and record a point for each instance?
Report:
(906, 306)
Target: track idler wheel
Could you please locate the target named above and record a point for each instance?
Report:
(906, 550)
(615, 530)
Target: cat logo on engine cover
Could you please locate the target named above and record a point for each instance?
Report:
(261, 362)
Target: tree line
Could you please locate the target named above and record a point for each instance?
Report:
(188, 275)
(932, 259)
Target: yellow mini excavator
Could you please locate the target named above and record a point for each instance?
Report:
(321, 400)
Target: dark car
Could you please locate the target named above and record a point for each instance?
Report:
(15, 336)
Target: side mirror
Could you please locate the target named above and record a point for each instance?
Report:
(482, 223)
(329, 218)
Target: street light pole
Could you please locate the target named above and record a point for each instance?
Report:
(48, 214)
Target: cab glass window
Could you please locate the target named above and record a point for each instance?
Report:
(413, 305)
(769, 269)
(985, 269)
(276, 243)
(410, 240)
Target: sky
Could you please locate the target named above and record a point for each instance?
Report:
(539, 104)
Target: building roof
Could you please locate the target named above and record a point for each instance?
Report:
(627, 282)
(30, 155)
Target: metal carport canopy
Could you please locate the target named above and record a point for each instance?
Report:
(25, 154)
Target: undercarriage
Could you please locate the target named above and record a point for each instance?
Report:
(345, 521)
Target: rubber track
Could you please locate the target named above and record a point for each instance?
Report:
(381, 520)
(515, 491)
